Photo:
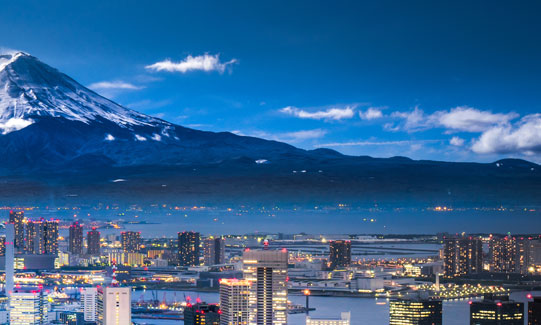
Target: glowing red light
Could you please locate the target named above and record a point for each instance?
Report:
(470, 302)
(529, 296)
(499, 304)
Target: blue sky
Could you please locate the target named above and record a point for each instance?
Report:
(457, 81)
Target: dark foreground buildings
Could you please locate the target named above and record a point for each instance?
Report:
(415, 311)
(202, 314)
(534, 311)
(496, 310)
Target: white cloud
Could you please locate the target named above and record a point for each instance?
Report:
(302, 135)
(290, 137)
(204, 62)
(14, 124)
(470, 119)
(524, 137)
(413, 120)
(109, 137)
(456, 141)
(140, 138)
(376, 143)
(371, 113)
(462, 118)
(328, 114)
(113, 85)
(156, 137)
(149, 104)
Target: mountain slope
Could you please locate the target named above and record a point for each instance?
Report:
(48, 120)
(60, 141)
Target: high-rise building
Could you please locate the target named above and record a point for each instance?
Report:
(114, 306)
(89, 300)
(502, 254)
(34, 241)
(71, 318)
(2, 246)
(462, 256)
(415, 311)
(496, 310)
(76, 239)
(17, 219)
(214, 251)
(234, 301)
(534, 311)
(528, 255)
(267, 272)
(93, 242)
(27, 307)
(131, 241)
(339, 253)
(42, 237)
(188, 248)
(202, 314)
(51, 236)
(344, 319)
(9, 259)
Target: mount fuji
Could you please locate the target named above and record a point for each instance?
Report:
(59, 139)
(48, 120)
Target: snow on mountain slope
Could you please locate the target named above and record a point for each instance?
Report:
(50, 121)
(30, 89)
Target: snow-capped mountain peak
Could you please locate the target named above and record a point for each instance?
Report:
(30, 89)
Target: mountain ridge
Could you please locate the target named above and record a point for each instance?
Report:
(60, 138)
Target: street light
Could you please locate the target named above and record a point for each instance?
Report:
(307, 294)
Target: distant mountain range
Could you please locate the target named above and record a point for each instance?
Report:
(63, 142)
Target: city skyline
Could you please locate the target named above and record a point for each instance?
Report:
(270, 162)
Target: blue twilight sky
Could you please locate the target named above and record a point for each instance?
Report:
(446, 80)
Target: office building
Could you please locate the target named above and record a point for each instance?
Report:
(131, 241)
(75, 245)
(462, 256)
(415, 311)
(27, 307)
(339, 254)
(534, 311)
(344, 319)
(188, 248)
(42, 237)
(496, 310)
(122, 258)
(114, 306)
(214, 251)
(9, 260)
(17, 219)
(267, 271)
(2, 246)
(89, 302)
(93, 242)
(71, 318)
(502, 254)
(201, 314)
(234, 301)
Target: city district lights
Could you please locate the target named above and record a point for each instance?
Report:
(254, 274)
